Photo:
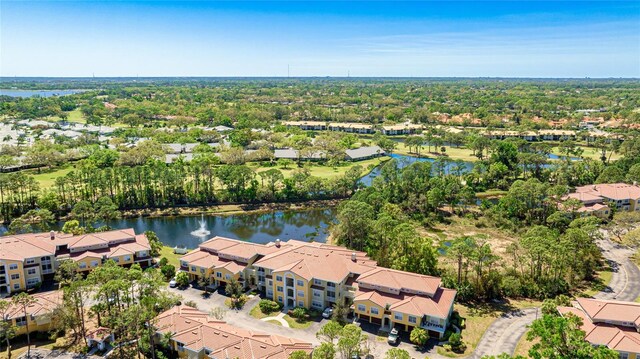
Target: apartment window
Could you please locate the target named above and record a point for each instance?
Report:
(31, 271)
(374, 310)
(300, 283)
(184, 264)
(317, 294)
(624, 355)
(15, 276)
(412, 319)
(362, 308)
(397, 316)
(331, 284)
(202, 270)
(193, 268)
(94, 263)
(279, 278)
(300, 293)
(82, 265)
(316, 304)
(317, 282)
(43, 259)
(116, 259)
(22, 321)
(279, 288)
(31, 261)
(228, 277)
(280, 298)
(32, 282)
(300, 303)
(16, 286)
(127, 258)
(270, 282)
(331, 294)
(13, 266)
(218, 275)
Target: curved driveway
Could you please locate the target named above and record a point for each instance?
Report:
(504, 333)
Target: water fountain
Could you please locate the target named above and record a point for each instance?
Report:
(202, 231)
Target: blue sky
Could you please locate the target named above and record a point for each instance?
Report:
(232, 38)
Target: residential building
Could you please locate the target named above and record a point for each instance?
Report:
(625, 197)
(307, 125)
(196, 335)
(29, 259)
(364, 153)
(38, 315)
(591, 204)
(317, 275)
(402, 129)
(611, 323)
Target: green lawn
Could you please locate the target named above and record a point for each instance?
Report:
(46, 178)
(257, 313)
(603, 278)
(173, 259)
(588, 152)
(297, 324)
(274, 322)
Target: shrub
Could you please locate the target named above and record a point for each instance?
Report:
(299, 313)
(457, 345)
(163, 262)
(182, 278)
(268, 306)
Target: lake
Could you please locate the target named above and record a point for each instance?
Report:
(41, 93)
(404, 161)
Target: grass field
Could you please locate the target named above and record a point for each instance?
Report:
(46, 178)
(173, 259)
(603, 278)
(588, 152)
(74, 116)
(297, 324)
(322, 171)
(452, 153)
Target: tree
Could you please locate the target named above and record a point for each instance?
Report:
(168, 271)
(299, 354)
(7, 330)
(105, 209)
(154, 242)
(397, 353)
(83, 210)
(329, 332)
(73, 227)
(23, 301)
(354, 222)
(350, 341)
(182, 279)
(340, 312)
(419, 336)
(324, 351)
(561, 338)
(67, 272)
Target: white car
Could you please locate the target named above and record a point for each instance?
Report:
(327, 313)
(173, 283)
(393, 337)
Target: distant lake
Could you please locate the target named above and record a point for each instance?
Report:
(404, 161)
(41, 93)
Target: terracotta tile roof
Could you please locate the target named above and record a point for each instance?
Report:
(235, 248)
(197, 331)
(403, 281)
(316, 260)
(610, 310)
(416, 305)
(20, 247)
(616, 338)
(45, 303)
(613, 191)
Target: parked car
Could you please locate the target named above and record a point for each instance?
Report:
(393, 336)
(327, 313)
(173, 283)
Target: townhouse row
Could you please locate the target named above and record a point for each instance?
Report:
(614, 324)
(29, 259)
(196, 335)
(598, 199)
(354, 127)
(317, 275)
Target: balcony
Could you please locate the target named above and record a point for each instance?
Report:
(432, 326)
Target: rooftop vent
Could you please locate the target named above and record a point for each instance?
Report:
(278, 242)
(52, 234)
(353, 256)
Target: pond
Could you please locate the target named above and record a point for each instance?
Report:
(41, 93)
(404, 161)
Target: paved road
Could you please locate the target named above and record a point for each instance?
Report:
(504, 334)
(625, 281)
